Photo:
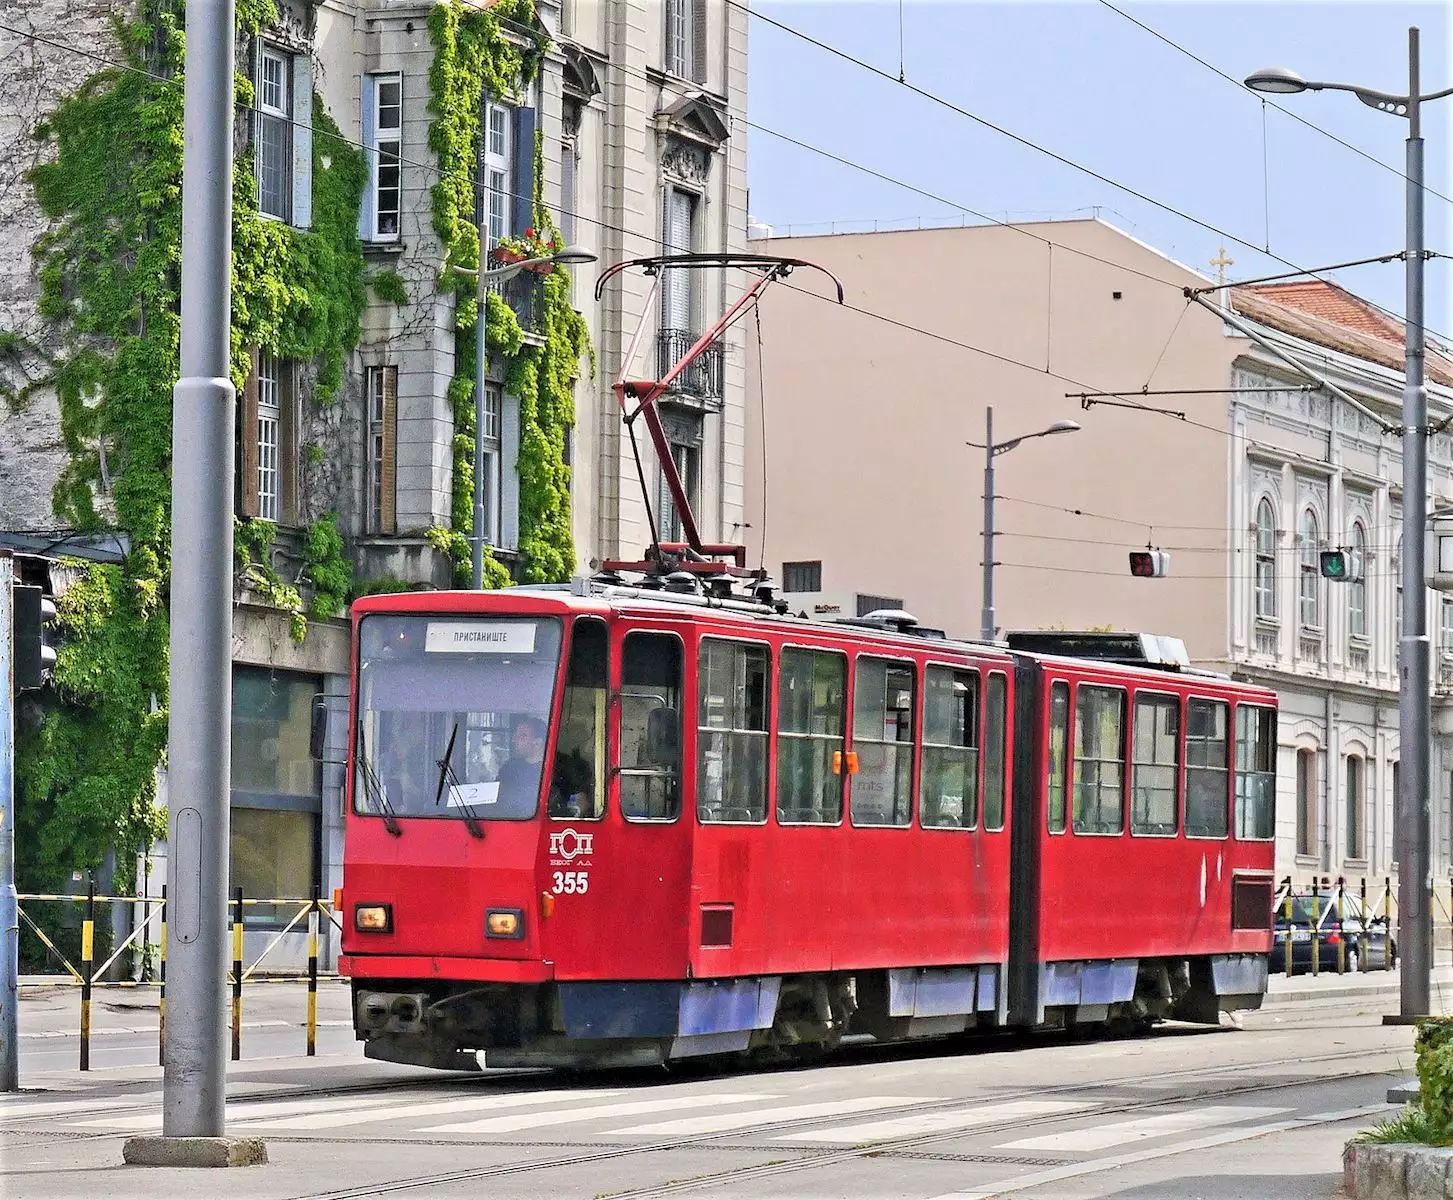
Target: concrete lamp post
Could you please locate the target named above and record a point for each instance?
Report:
(1415, 931)
(571, 254)
(991, 450)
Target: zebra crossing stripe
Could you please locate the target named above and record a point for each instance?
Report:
(1118, 1133)
(937, 1122)
(397, 1113)
(725, 1122)
(569, 1116)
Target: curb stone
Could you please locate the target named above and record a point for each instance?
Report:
(1397, 1171)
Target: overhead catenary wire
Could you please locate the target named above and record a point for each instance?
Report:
(1286, 112)
(1029, 143)
(435, 171)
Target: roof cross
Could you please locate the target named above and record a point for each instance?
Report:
(1221, 262)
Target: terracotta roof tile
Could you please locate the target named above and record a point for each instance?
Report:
(1330, 316)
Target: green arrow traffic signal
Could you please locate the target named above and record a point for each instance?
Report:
(1335, 565)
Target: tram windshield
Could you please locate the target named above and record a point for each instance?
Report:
(453, 715)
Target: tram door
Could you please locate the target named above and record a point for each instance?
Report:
(627, 921)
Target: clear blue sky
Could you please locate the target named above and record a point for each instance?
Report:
(1083, 81)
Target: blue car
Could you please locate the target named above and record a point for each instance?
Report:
(1365, 942)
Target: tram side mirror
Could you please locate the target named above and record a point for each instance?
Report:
(318, 729)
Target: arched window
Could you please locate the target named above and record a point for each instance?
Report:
(1265, 559)
(1309, 591)
(1357, 587)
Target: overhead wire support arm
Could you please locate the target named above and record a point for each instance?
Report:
(1245, 328)
(646, 393)
(1396, 256)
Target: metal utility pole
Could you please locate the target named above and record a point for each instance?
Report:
(1415, 859)
(199, 738)
(1414, 831)
(986, 613)
(9, 905)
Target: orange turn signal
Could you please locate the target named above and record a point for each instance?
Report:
(504, 923)
(837, 762)
(547, 904)
(852, 762)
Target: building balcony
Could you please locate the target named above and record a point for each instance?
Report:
(702, 380)
(524, 293)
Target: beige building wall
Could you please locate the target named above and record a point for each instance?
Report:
(866, 467)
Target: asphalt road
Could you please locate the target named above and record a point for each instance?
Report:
(1258, 1112)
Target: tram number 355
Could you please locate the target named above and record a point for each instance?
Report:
(576, 882)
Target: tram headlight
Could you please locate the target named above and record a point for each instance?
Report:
(504, 923)
(373, 918)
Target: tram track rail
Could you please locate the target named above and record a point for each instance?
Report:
(807, 1159)
(791, 1158)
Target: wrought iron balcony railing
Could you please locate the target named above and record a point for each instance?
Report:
(702, 380)
(525, 294)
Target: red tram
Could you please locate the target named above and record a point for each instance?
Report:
(608, 823)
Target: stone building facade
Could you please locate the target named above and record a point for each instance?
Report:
(629, 134)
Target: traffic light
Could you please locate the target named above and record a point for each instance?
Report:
(1336, 564)
(1149, 564)
(34, 653)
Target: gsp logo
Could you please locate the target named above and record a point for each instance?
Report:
(569, 845)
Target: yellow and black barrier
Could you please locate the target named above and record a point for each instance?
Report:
(87, 975)
(1334, 905)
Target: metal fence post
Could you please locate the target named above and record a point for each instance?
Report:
(313, 974)
(1287, 940)
(161, 991)
(236, 974)
(1366, 919)
(88, 970)
(1341, 929)
(1316, 925)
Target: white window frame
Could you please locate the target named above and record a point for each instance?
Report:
(1265, 552)
(1309, 573)
(270, 377)
(678, 292)
(491, 459)
(275, 117)
(1357, 586)
(679, 55)
(495, 206)
(377, 443)
(385, 153)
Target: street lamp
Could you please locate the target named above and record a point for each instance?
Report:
(991, 449)
(571, 254)
(1414, 704)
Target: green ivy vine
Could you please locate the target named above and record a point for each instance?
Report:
(109, 273)
(473, 56)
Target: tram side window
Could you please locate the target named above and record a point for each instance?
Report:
(811, 703)
(1255, 772)
(731, 736)
(650, 717)
(1207, 773)
(1155, 767)
(948, 785)
(883, 703)
(995, 710)
(577, 790)
(1099, 784)
(1059, 733)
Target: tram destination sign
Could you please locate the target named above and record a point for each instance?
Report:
(480, 637)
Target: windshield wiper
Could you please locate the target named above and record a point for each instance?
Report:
(373, 787)
(446, 774)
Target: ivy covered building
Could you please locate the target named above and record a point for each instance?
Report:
(377, 142)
